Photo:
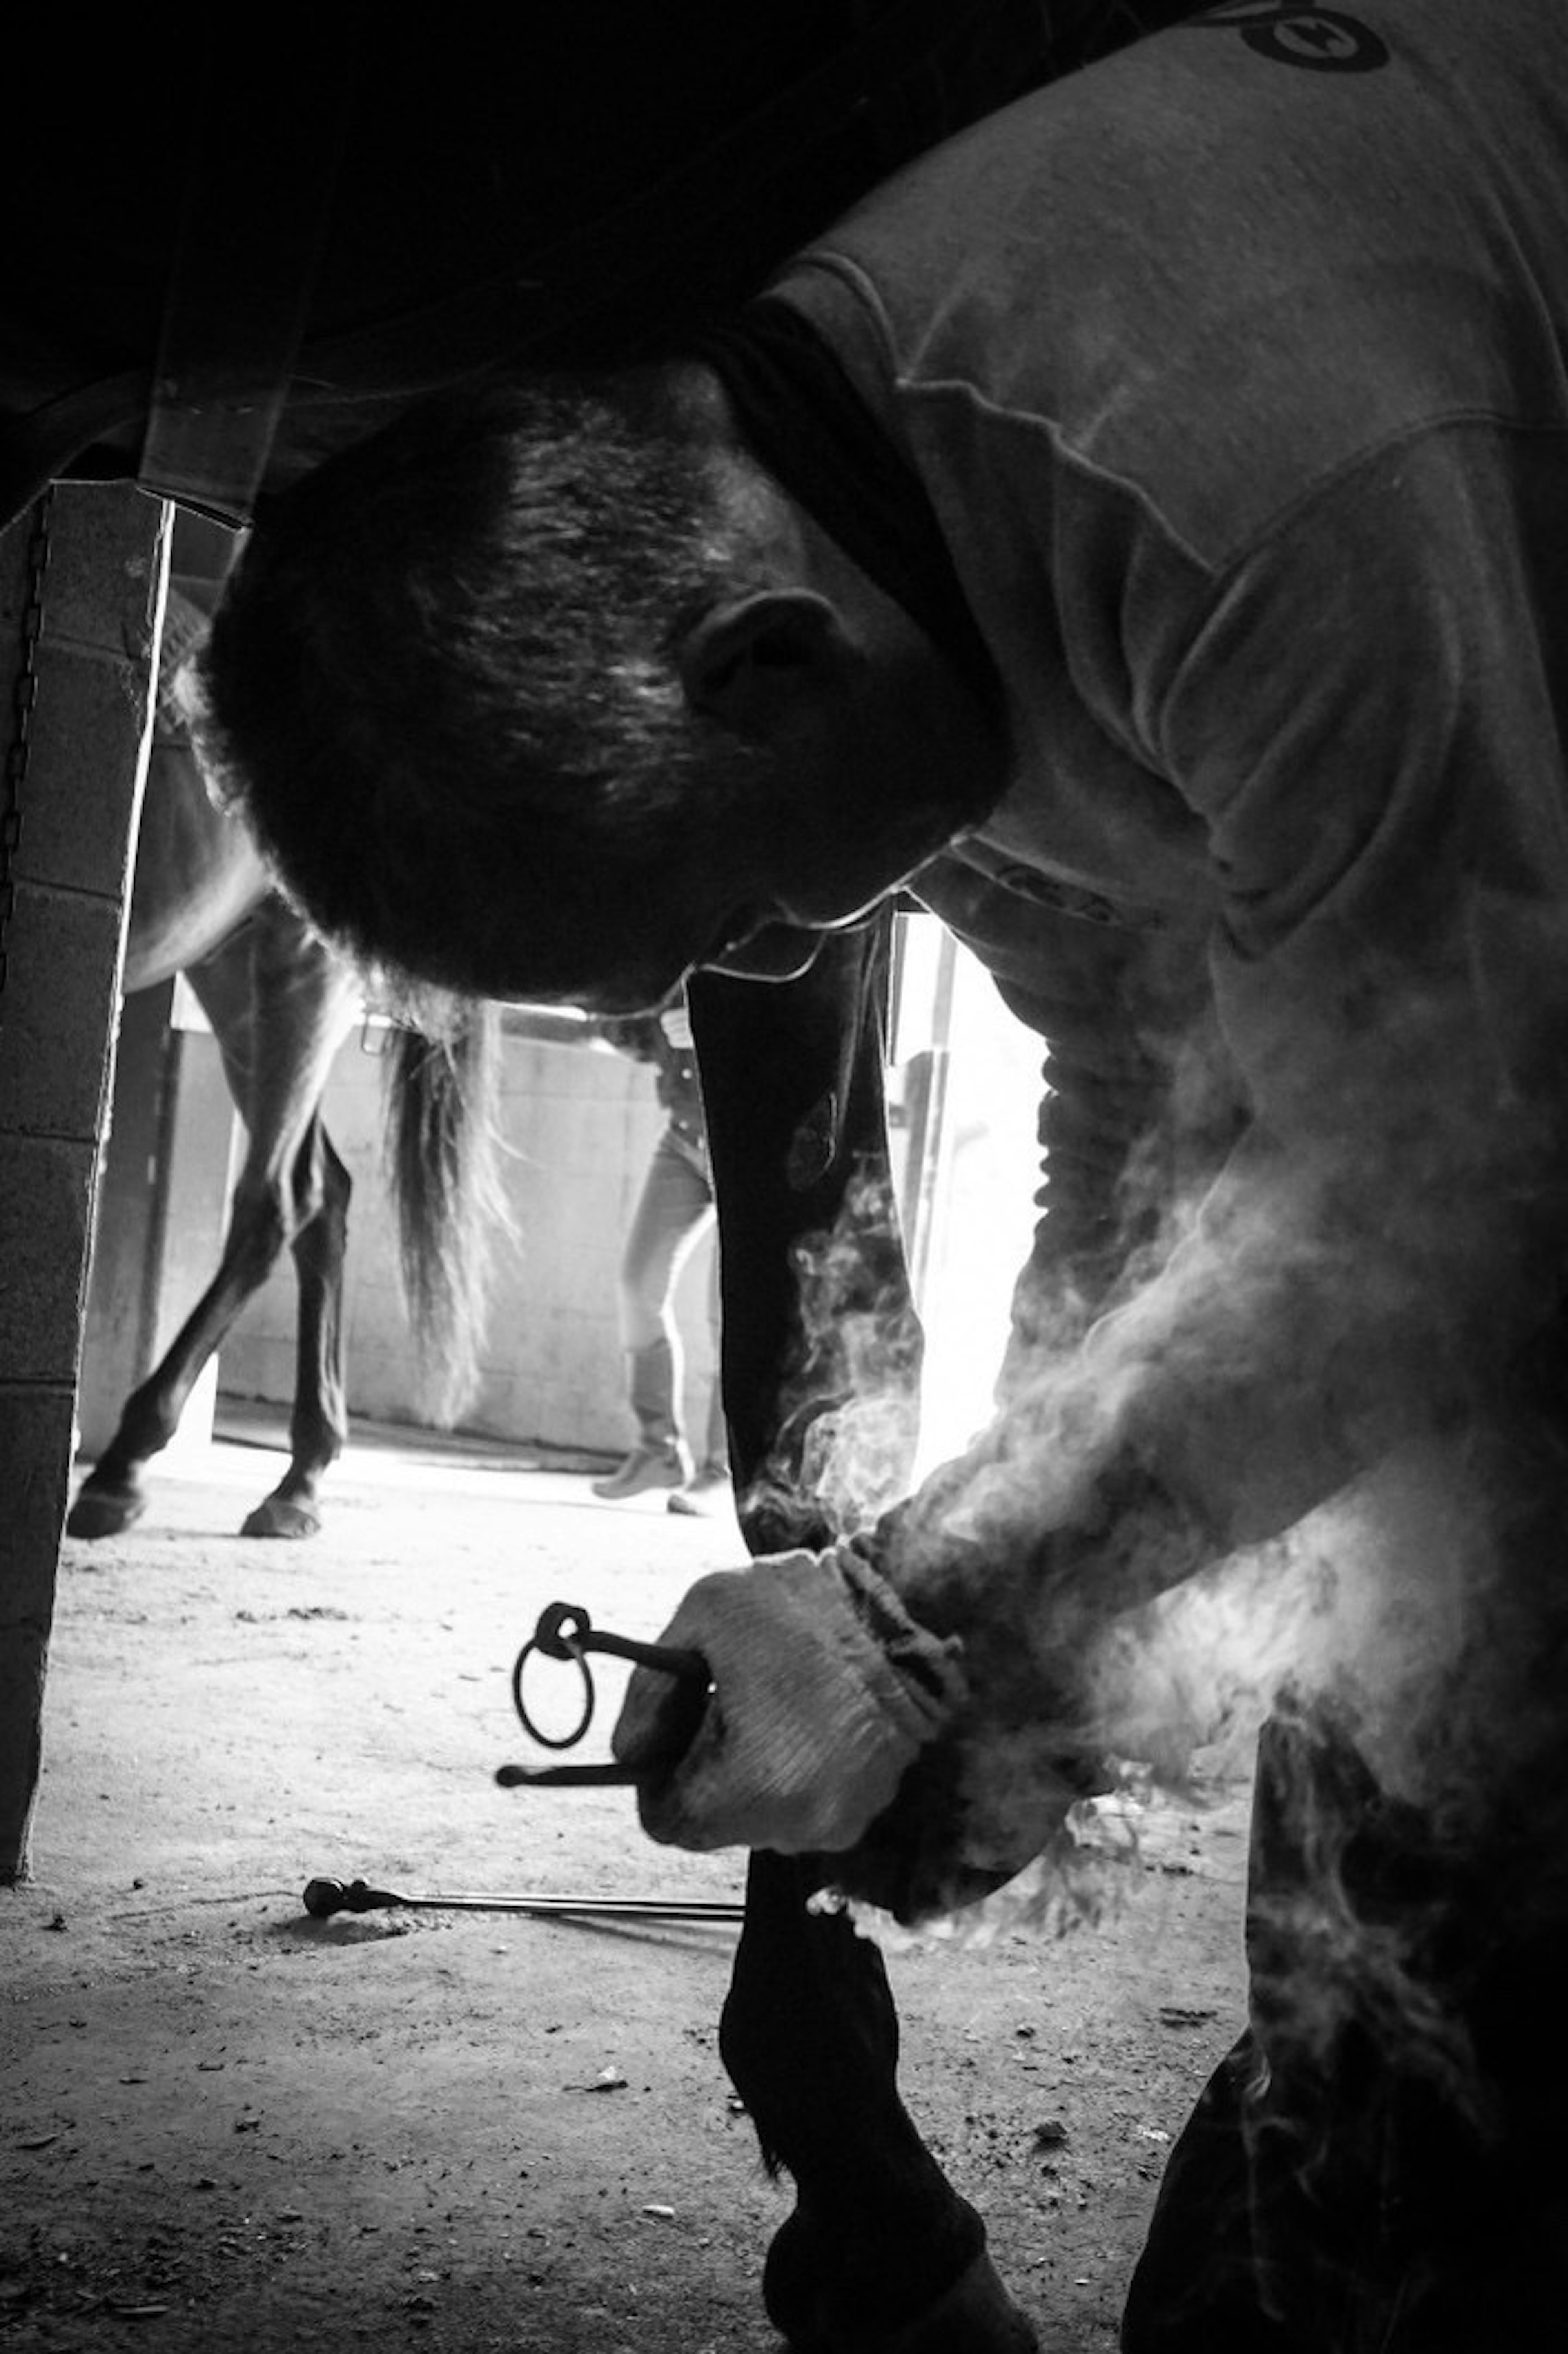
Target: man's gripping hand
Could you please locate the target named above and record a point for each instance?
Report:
(825, 1691)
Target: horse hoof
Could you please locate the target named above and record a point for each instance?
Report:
(976, 2315)
(276, 1517)
(103, 1512)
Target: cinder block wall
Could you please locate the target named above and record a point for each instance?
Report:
(579, 1122)
(84, 731)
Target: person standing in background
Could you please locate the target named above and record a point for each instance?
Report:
(675, 1210)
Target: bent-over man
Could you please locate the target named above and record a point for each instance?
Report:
(1140, 529)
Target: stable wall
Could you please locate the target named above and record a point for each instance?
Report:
(82, 590)
(579, 1122)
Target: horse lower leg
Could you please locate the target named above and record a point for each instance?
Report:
(319, 1424)
(112, 1496)
(792, 1080)
(810, 2036)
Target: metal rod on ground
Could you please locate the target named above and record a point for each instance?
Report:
(323, 1898)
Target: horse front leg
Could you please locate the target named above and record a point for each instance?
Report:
(881, 2253)
(318, 1427)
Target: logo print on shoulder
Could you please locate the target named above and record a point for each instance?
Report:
(1323, 40)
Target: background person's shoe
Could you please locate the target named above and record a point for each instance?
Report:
(669, 1466)
(708, 1492)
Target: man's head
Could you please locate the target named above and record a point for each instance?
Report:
(535, 695)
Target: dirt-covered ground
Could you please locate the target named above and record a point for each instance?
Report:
(227, 2125)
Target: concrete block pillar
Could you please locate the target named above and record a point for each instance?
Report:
(81, 588)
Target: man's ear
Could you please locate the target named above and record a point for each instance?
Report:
(756, 661)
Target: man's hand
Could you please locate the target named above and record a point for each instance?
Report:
(838, 1726)
(825, 1691)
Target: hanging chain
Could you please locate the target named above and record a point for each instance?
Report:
(23, 697)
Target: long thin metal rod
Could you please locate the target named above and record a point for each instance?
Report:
(324, 1898)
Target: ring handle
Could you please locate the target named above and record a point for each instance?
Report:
(565, 1631)
(545, 1641)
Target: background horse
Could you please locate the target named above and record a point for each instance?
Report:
(280, 1003)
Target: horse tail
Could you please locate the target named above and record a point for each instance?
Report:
(442, 1151)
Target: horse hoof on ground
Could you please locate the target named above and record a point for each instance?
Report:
(104, 1511)
(279, 1516)
(976, 2315)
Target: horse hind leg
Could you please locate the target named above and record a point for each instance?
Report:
(280, 1003)
(314, 1224)
(114, 1496)
(319, 1424)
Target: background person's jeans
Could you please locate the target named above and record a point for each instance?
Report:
(674, 1211)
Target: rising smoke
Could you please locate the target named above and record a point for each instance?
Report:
(1342, 1359)
(849, 1410)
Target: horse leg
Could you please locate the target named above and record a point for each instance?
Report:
(319, 1424)
(881, 2251)
(281, 1005)
(114, 1496)
(303, 1000)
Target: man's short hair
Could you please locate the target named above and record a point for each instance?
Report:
(439, 681)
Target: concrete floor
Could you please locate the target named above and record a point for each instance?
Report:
(227, 2125)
